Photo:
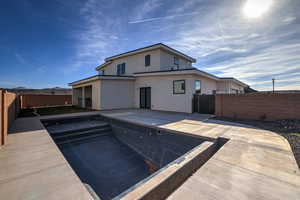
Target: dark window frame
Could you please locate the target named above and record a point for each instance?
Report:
(200, 86)
(118, 69)
(176, 61)
(181, 86)
(121, 69)
(148, 60)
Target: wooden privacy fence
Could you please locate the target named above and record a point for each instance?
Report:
(29, 101)
(204, 104)
(9, 109)
(259, 106)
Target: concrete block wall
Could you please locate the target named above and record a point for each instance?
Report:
(258, 106)
(29, 101)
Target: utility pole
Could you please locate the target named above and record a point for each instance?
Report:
(273, 81)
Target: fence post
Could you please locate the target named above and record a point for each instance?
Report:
(5, 118)
(221, 105)
(17, 105)
(1, 118)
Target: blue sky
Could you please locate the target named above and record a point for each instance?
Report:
(51, 43)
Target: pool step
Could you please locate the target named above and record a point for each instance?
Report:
(80, 134)
(72, 130)
(66, 141)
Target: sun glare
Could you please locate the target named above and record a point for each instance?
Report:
(256, 8)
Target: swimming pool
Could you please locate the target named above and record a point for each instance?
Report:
(115, 157)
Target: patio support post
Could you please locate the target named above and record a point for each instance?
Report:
(83, 97)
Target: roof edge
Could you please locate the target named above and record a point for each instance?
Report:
(197, 70)
(84, 79)
(159, 45)
(180, 70)
(98, 77)
(234, 79)
(102, 65)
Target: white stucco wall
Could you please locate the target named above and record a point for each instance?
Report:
(162, 97)
(207, 85)
(223, 87)
(160, 60)
(228, 87)
(167, 61)
(135, 63)
(95, 93)
(76, 93)
(116, 94)
(235, 86)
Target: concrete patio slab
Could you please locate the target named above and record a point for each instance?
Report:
(221, 180)
(32, 167)
(253, 164)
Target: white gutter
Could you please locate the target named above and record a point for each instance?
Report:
(179, 72)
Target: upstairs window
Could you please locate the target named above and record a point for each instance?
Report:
(121, 69)
(176, 61)
(102, 72)
(179, 87)
(198, 87)
(118, 69)
(147, 60)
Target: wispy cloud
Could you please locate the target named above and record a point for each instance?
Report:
(215, 32)
(97, 36)
(38, 68)
(21, 59)
(162, 18)
(144, 8)
(289, 19)
(103, 32)
(253, 51)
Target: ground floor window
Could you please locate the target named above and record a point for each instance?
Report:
(198, 87)
(179, 87)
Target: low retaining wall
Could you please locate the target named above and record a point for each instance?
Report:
(29, 101)
(9, 109)
(258, 106)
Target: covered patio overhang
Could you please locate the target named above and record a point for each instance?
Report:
(82, 96)
(86, 92)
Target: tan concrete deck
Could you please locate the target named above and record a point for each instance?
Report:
(254, 164)
(32, 167)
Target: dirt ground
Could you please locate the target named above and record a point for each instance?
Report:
(290, 129)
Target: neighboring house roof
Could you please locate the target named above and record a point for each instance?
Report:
(147, 48)
(234, 80)
(280, 91)
(101, 77)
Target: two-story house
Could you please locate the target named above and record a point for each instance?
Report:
(155, 77)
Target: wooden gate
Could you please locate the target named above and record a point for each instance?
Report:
(204, 104)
